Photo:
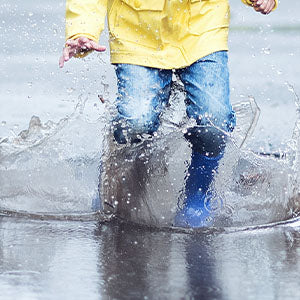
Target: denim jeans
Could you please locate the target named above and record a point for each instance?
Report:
(143, 92)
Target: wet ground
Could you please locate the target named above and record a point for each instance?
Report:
(42, 258)
(87, 260)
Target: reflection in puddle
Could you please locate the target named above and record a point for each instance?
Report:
(88, 260)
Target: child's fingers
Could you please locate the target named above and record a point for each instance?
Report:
(258, 3)
(66, 53)
(65, 57)
(72, 43)
(74, 47)
(264, 6)
(97, 47)
(259, 6)
(61, 61)
(84, 44)
(81, 44)
(78, 45)
(270, 6)
(82, 41)
(87, 44)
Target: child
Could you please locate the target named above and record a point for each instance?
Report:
(149, 41)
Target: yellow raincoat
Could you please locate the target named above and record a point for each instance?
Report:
(163, 34)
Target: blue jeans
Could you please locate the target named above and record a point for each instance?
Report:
(143, 92)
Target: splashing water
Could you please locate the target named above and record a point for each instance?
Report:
(145, 183)
(52, 169)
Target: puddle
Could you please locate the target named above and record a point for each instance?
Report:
(52, 170)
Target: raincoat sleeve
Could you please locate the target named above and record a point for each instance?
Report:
(85, 18)
(248, 2)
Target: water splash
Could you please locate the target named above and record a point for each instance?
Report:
(52, 170)
(145, 183)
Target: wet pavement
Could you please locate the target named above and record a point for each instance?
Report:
(89, 260)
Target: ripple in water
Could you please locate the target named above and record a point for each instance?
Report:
(52, 170)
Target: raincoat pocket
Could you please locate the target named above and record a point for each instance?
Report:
(136, 22)
(154, 5)
(206, 15)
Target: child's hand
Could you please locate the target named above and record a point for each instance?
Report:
(263, 6)
(79, 45)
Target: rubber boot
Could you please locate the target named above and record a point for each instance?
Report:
(197, 208)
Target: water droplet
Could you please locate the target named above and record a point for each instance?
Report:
(266, 51)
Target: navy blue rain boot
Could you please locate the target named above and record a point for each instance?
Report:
(197, 209)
